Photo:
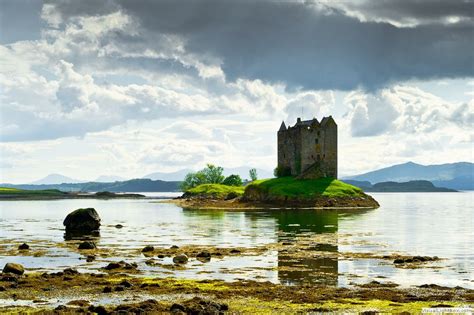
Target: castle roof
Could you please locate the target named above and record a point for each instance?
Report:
(312, 122)
(282, 126)
(326, 120)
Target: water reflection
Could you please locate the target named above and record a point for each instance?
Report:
(302, 258)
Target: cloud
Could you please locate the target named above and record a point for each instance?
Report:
(407, 13)
(405, 110)
(307, 45)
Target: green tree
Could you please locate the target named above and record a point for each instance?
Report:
(253, 174)
(213, 174)
(232, 180)
(210, 175)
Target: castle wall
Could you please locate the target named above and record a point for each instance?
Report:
(289, 147)
(309, 148)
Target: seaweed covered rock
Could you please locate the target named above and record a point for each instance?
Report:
(82, 221)
(16, 269)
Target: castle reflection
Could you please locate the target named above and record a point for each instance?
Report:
(306, 259)
(307, 251)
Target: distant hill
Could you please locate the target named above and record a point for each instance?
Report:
(53, 179)
(172, 176)
(109, 179)
(455, 175)
(179, 175)
(410, 186)
(133, 185)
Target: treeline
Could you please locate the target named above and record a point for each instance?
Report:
(212, 174)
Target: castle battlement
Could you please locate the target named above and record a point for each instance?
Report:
(309, 148)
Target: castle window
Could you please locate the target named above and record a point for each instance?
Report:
(318, 157)
(316, 141)
(319, 133)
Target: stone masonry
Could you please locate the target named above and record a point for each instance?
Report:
(309, 148)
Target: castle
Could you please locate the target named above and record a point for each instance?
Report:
(308, 149)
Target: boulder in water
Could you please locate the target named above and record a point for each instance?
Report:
(180, 259)
(82, 221)
(16, 269)
(24, 246)
(87, 245)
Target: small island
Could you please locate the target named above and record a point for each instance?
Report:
(306, 176)
(285, 192)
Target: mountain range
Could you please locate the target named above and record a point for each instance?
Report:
(459, 176)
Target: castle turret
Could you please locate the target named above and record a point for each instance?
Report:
(282, 126)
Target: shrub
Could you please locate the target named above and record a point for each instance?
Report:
(282, 171)
(232, 180)
(210, 175)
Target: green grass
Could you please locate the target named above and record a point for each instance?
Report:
(216, 190)
(305, 188)
(24, 192)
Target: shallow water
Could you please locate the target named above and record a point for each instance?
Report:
(427, 224)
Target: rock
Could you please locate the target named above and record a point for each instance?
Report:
(79, 303)
(231, 195)
(177, 308)
(119, 288)
(120, 265)
(87, 245)
(118, 226)
(126, 284)
(235, 251)
(100, 310)
(90, 258)
(147, 249)
(2, 289)
(82, 221)
(113, 265)
(70, 271)
(180, 259)
(145, 307)
(24, 246)
(161, 256)
(16, 269)
(174, 247)
(204, 256)
(398, 261)
(198, 305)
(107, 290)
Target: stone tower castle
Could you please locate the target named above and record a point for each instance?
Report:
(309, 148)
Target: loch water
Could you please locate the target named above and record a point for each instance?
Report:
(427, 224)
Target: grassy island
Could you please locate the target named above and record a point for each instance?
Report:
(304, 188)
(216, 191)
(279, 192)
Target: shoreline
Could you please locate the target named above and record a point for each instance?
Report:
(114, 291)
(206, 203)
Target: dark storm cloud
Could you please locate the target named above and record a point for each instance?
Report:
(302, 46)
(424, 11)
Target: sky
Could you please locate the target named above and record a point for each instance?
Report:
(127, 88)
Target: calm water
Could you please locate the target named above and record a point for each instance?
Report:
(426, 224)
